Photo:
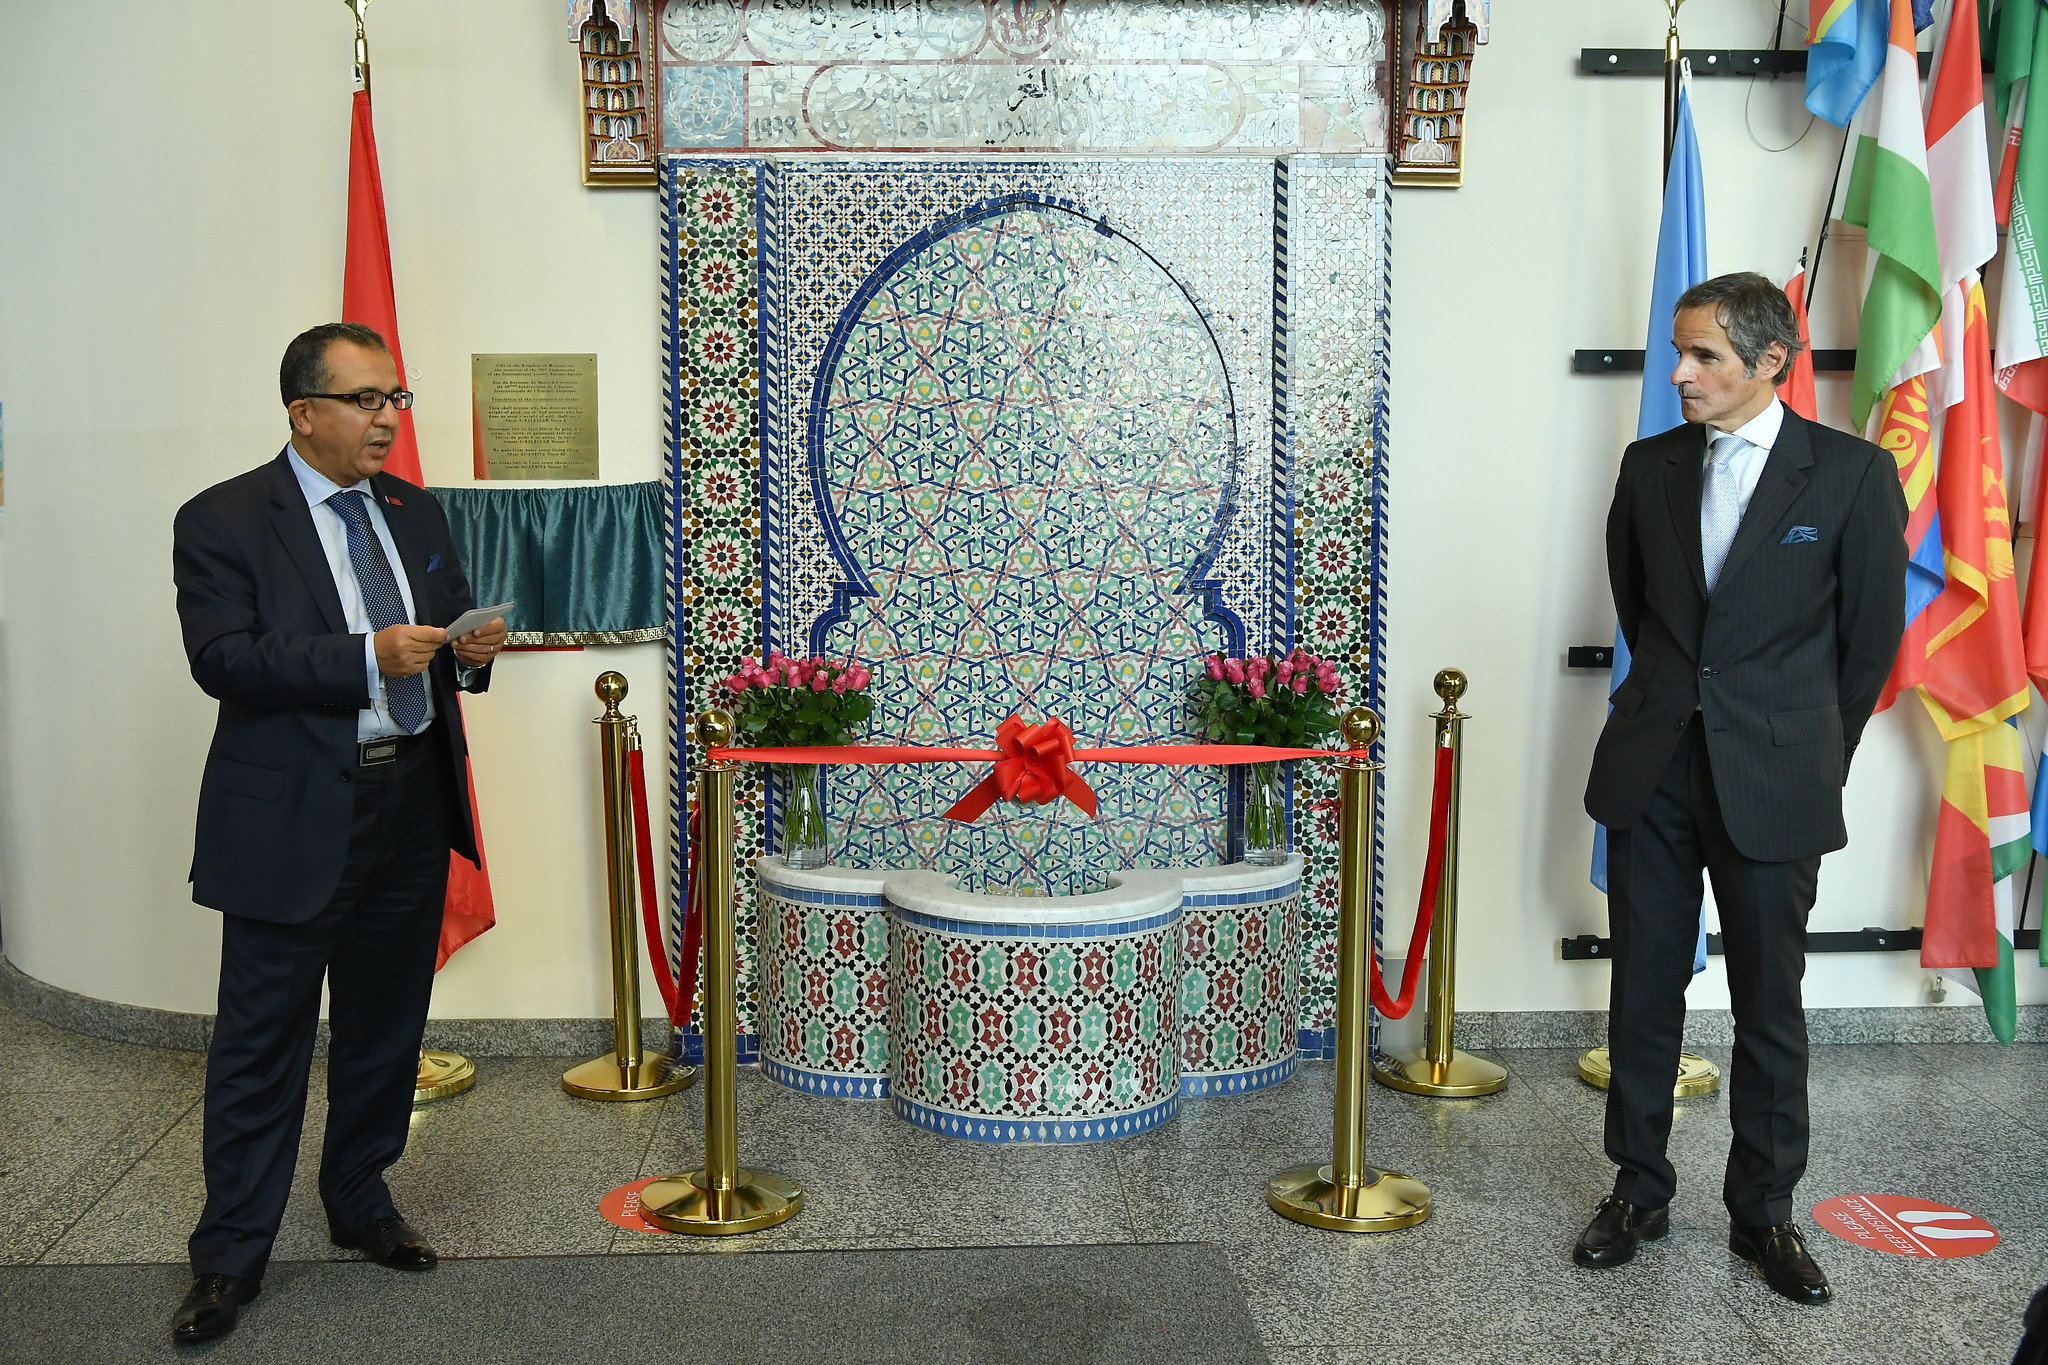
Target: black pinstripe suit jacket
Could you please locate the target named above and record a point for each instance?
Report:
(266, 636)
(1786, 659)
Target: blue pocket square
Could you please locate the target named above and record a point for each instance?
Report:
(1801, 535)
(434, 561)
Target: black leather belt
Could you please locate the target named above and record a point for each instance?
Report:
(371, 753)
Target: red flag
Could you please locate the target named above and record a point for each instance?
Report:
(1971, 669)
(1798, 390)
(366, 271)
(366, 297)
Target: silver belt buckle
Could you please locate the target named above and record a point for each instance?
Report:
(372, 752)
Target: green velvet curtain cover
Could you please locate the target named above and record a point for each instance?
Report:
(584, 564)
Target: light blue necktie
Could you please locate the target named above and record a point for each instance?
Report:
(1720, 507)
(406, 698)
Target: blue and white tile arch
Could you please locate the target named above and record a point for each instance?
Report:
(1251, 245)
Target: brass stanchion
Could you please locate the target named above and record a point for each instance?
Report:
(442, 1074)
(1347, 1195)
(1696, 1075)
(1439, 1068)
(624, 1073)
(722, 1197)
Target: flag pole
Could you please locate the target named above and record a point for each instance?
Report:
(1696, 1075)
(1827, 215)
(1673, 55)
(361, 73)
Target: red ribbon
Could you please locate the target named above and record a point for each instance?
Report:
(678, 989)
(1031, 767)
(1170, 755)
(1425, 913)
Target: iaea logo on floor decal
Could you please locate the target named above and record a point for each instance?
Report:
(1905, 1227)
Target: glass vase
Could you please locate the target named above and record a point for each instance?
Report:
(804, 842)
(1265, 816)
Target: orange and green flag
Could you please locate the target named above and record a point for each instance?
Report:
(1973, 680)
(1981, 838)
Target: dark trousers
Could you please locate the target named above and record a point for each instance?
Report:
(1653, 871)
(374, 943)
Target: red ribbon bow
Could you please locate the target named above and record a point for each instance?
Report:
(1033, 768)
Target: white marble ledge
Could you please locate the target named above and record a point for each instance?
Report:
(855, 881)
(1133, 893)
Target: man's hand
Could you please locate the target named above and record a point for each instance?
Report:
(481, 645)
(405, 650)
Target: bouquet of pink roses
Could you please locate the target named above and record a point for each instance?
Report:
(1282, 700)
(799, 703)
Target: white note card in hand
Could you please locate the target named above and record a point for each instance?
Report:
(476, 619)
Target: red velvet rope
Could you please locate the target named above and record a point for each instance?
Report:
(677, 995)
(1425, 913)
(1178, 755)
(1174, 755)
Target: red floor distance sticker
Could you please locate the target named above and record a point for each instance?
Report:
(622, 1206)
(1904, 1227)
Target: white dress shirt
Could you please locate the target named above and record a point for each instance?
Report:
(374, 722)
(1757, 435)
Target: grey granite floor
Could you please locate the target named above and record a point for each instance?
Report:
(99, 1165)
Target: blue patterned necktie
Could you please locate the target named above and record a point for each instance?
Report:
(1720, 507)
(406, 698)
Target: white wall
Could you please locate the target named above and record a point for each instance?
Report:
(162, 241)
(158, 246)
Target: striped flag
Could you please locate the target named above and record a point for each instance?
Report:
(1845, 52)
(1966, 237)
(1980, 840)
(2022, 46)
(1965, 652)
(1890, 197)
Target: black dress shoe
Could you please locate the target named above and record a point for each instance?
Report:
(211, 1307)
(1780, 1252)
(1617, 1227)
(390, 1242)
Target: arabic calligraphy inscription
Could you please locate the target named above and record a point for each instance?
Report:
(1033, 75)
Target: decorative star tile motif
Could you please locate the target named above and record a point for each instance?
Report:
(1026, 447)
(957, 417)
(1337, 293)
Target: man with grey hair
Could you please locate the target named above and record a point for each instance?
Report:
(1758, 567)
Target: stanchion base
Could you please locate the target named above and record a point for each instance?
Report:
(1696, 1075)
(605, 1079)
(1310, 1194)
(685, 1203)
(442, 1074)
(1462, 1076)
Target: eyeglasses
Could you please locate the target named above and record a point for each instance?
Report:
(369, 400)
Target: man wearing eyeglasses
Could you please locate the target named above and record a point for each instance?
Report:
(308, 590)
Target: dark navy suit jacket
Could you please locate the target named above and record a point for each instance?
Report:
(1784, 661)
(265, 635)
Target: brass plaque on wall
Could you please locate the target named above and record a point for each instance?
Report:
(535, 416)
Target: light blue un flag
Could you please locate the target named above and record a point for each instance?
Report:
(1681, 264)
